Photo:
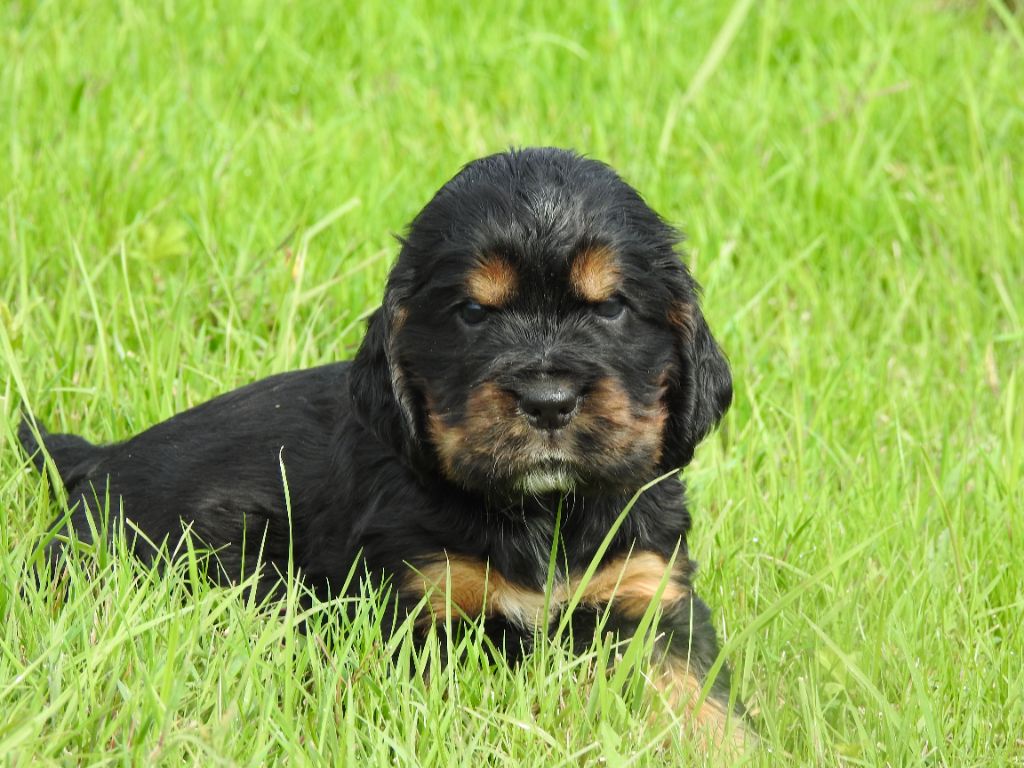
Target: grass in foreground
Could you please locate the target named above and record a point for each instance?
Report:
(198, 197)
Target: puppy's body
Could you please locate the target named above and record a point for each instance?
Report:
(221, 469)
(217, 469)
(539, 356)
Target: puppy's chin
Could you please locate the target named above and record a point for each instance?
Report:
(552, 479)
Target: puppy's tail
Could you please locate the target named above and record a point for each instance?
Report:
(70, 453)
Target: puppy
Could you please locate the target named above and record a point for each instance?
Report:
(539, 356)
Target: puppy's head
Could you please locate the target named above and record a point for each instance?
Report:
(539, 334)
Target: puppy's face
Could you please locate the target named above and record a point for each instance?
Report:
(541, 335)
(541, 369)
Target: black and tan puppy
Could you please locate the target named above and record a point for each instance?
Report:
(540, 348)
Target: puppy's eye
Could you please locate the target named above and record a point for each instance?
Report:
(473, 313)
(611, 308)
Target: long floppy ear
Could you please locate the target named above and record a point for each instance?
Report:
(700, 391)
(380, 398)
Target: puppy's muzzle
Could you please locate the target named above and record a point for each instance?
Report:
(548, 403)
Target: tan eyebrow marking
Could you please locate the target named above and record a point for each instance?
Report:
(595, 274)
(492, 281)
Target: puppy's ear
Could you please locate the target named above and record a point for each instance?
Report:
(381, 401)
(700, 390)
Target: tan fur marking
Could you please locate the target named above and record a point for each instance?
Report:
(492, 282)
(631, 583)
(398, 319)
(493, 434)
(610, 411)
(680, 317)
(448, 440)
(490, 432)
(710, 721)
(595, 274)
(472, 588)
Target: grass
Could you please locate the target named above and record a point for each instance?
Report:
(195, 196)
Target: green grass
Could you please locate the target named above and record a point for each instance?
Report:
(193, 198)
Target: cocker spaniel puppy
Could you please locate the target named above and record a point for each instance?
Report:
(539, 356)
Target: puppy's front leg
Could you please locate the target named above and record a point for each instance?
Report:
(617, 601)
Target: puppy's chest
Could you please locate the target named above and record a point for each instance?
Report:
(458, 586)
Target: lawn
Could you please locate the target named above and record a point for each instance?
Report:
(196, 196)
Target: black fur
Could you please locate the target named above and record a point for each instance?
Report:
(359, 441)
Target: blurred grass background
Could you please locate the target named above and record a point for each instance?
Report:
(195, 195)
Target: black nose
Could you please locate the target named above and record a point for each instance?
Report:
(548, 403)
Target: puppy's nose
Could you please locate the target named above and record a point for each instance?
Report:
(548, 403)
